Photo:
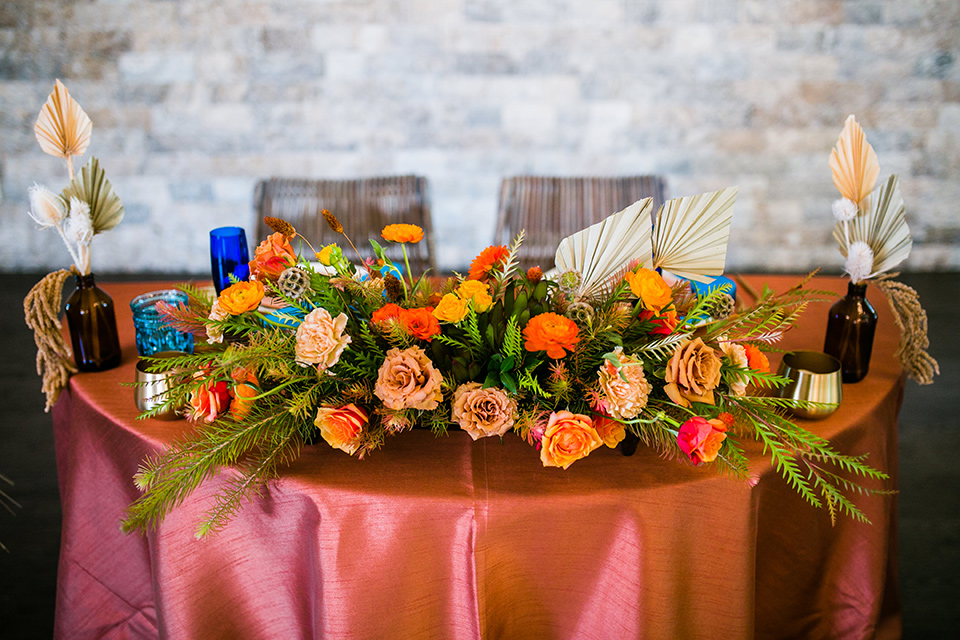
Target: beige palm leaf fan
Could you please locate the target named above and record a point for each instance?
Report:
(854, 163)
(602, 249)
(691, 233)
(63, 129)
(91, 186)
(882, 226)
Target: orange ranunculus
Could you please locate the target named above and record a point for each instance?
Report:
(451, 308)
(402, 233)
(651, 288)
(272, 257)
(552, 333)
(567, 438)
(208, 401)
(241, 297)
(488, 259)
(420, 322)
(478, 292)
(341, 426)
(756, 359)
(701, 439)
(389, 311)
(611, 431)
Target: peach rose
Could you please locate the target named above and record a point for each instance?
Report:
(407, 380)
(208, 401)
(341, 426)
(612, 432)
(737, 356)
(272, 257)
(477, 292)
(624, 399)
(451, 309)
(651, 288)
(482, 412)
(701, 439)
(321, 339)
(241, 297)
(693, 372)
(567, 438)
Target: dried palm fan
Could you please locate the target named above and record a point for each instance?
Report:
(603, 248)
(91, 186)
(62, 128)
(881, 227)
(691, 233)
(854, 163)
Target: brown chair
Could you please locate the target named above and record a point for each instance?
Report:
(551, 208)
(364, 206)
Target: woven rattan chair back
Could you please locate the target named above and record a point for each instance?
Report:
(364, 206)
(551, 208)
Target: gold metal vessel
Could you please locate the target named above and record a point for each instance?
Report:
(814, 377)
(151, 389)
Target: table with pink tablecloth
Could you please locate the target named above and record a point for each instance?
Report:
(450, 538)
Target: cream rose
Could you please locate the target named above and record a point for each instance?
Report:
(624, 399)
(408, 380)
(693, 372)
(482, 412)
(321, 339)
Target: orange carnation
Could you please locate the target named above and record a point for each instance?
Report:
(552, 333)
(488, 259)
(402, 233)
(756, 359)
(272, 257)
(241, 297)
(420, 322)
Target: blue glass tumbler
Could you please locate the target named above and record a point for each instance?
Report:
(153, 334)
(229, 255)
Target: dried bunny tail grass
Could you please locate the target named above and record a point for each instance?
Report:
(332, 221)
(280, 226)
(41, 310)
(911, 319)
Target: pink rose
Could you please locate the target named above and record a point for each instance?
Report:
(321, 339)
(407, 380)
(700, 438)
(482, 412)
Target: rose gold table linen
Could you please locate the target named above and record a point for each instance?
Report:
(447, 538)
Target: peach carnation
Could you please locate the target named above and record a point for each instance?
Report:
(408, 380)
(321, 339)
(208, 401)
(693, 372)
(737, 356)
(624, 399)
(482, 412)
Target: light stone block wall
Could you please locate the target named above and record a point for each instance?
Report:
(194, 100)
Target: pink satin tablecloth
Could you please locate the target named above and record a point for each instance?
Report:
(450, 538)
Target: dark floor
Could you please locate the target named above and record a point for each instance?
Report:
(929, 476)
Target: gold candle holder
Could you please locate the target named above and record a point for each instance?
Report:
(152, 387)
(814, 377)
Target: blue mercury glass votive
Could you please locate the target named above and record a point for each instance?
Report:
(229, 255)
(152, 332)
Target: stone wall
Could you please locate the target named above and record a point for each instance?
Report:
(194, 100)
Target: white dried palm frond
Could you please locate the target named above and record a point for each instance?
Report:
(854, 162)
(691, 233)
(882, 226)
(92, 187)
(62, 128)
(602, 248)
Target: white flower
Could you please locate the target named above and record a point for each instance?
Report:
(737, 356)
(845, 209)
(215, 331)
(859, 261)
(79, 227)
(46, 207)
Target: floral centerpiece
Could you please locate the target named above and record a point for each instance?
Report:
(603, 353)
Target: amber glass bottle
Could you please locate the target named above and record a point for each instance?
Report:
(93, 326)
(850, 328)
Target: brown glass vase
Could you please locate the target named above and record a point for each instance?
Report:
(93, 326)
(850, 328)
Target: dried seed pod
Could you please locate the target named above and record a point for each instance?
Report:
(294, 282)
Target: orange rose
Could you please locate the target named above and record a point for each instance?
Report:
(551, 333)
(241, 297)
(451, 309)
(341, 426)
(402, 233)
(272, 257)
(701, 439)
(650, 287)
(756, 359)
(420, 322)
(567, 438)
(477, 292)
(611, 431)
(208, 401)
(488, 259)
(387, 312)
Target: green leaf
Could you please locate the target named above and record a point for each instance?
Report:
(508, 381)
(492, 380)
(90, 185)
